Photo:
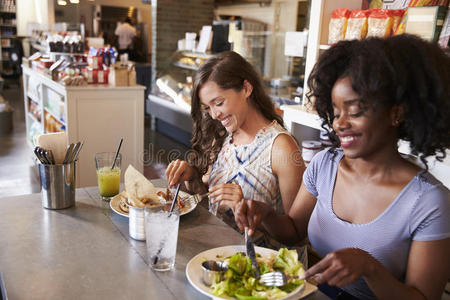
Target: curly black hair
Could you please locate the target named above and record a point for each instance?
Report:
(402, 70)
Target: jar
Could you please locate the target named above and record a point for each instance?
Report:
(309, 149)
(325, 139)
(136, 223)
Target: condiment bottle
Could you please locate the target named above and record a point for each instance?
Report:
(309, 149)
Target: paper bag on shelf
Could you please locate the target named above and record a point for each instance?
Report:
(131, 75)
(122, 75)
(118, 75)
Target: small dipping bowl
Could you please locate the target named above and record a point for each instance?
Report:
(213, 271)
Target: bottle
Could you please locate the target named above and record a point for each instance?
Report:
(309, 149)
(107, 57)
(113, 55)
(325, 139)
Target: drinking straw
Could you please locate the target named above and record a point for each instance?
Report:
(117, 153)
(174, 199)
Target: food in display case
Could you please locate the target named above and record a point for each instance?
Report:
(179, 92)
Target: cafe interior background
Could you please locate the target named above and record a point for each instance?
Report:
(38, 107)
(281, 38)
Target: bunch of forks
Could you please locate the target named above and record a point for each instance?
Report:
(46, 156)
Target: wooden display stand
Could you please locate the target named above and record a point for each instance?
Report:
(99, 115)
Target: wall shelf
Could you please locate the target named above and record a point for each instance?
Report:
(54, 116)
(33, 118)
(33, 97)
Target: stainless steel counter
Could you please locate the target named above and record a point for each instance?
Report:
(85, 252)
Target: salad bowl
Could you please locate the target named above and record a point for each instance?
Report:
(194, 272)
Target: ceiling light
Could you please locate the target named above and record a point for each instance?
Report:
(62, 2)
(74, 1)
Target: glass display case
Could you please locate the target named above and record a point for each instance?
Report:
(176, 83)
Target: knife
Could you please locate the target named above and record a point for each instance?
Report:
(75, 157)
(38, 155)
(250, 250)
(43, 156)
(68, 153)
(49, 155)
(74, 152)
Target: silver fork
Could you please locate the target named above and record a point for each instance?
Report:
(193, 200)
(276, 279)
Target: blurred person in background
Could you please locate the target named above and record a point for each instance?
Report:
(126, 34)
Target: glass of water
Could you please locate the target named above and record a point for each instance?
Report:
(161, 230)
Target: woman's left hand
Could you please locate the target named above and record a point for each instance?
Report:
(340, 267)
(228, 194)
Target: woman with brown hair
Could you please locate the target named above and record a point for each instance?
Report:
(240, 148)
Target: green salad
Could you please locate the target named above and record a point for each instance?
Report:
(239, 280)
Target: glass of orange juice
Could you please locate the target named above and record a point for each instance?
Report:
(108, 177)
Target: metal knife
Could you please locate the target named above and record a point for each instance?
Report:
(38, 155)
(68, 153)
(74, 152)
(43, 156)
(250, 250)
(75, 157)
(49, 155)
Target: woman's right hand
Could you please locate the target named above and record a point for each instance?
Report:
(249, 213)
(179, 170)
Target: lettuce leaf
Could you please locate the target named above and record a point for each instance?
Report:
(239, 264)
(287, 261)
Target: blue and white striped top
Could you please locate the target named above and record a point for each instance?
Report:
(420, 212)
(250, 167)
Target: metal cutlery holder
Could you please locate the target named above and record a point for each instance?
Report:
(58, 185)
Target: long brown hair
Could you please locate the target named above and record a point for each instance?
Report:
(228, 70)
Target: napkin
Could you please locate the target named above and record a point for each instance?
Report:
(57, 142)
(139, 188)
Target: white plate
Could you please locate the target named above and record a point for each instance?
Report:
(114, 204)
(194, 270)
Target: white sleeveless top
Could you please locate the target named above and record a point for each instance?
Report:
(250, 167)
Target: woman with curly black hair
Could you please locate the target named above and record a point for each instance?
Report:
(381, 223)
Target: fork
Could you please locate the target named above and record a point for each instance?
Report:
(276, 279)
(193, 200)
